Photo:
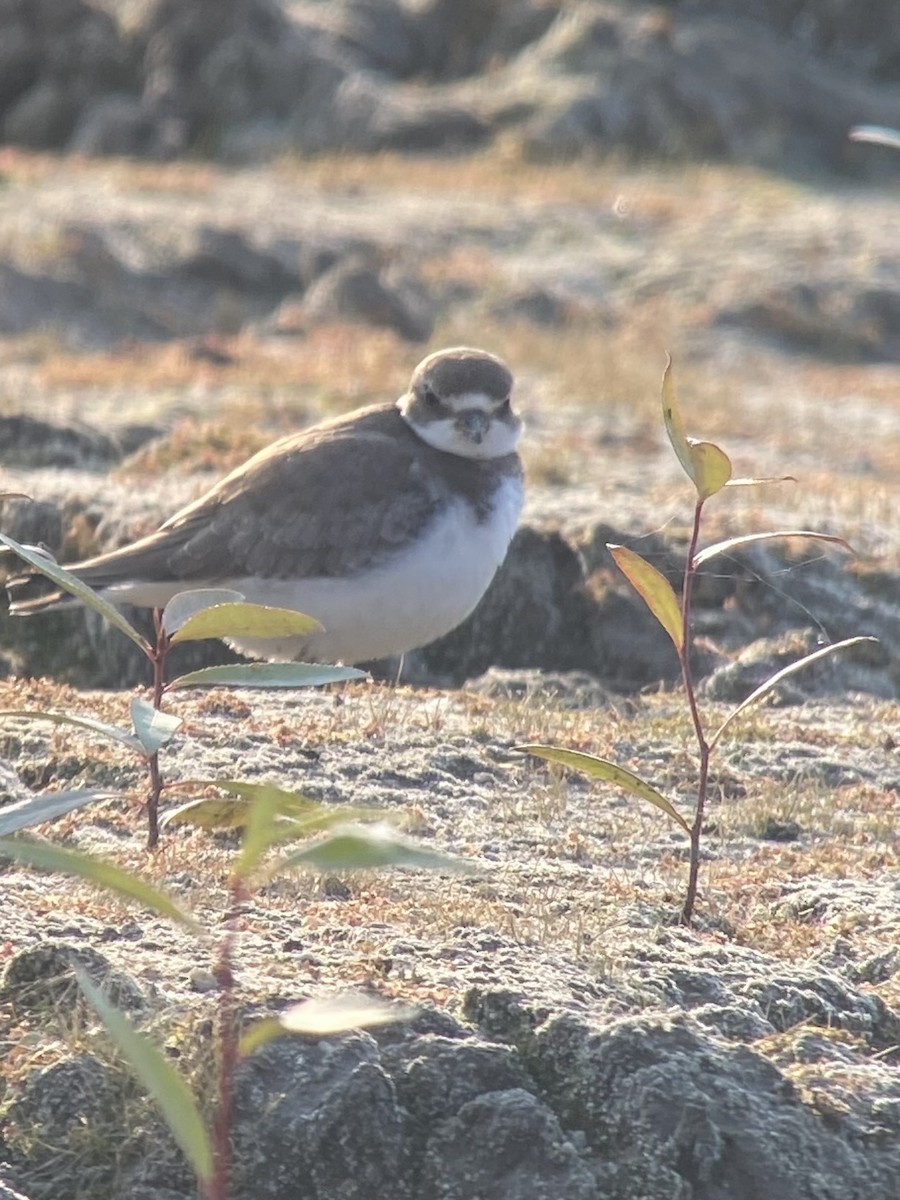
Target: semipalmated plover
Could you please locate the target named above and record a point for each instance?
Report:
(387, 524)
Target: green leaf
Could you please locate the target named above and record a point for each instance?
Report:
(69, 583)
(791, 669)
(113, 732)
(185, 605)
(153, 728)
(245, 620)
(268, 814)
(877, 135)
(748, 539)
(366, 848)
(654, 589)
(167, 1087)
(36, 810)
(706, 465)
(96, 871)
(267, 675)
(327, 1016)
(601, 768)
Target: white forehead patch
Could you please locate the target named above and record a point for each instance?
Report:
(469, 400)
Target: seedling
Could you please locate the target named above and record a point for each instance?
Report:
(709, 469)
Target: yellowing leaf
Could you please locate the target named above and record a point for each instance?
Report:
(602, 768)
(654, 589)
(185, 605)
(706, 465)
(712, 467)
(245, 620)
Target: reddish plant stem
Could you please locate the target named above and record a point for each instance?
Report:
(227, 1039)
(159, 682)
(690, 896)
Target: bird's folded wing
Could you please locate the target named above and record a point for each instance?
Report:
(306, 506)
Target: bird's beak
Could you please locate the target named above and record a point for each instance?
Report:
(474, 424)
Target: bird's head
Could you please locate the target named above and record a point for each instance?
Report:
(459, 401)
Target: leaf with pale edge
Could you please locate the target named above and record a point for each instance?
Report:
(327, 1016)
(113, 732)
(877, 135)
(366, 848)
(36, 810)
(153, 728)
(245, 621)
(601, 768)
(653, 588)
(267, 675)
(69, 583)
(791, 669)
(185, 605)
(167, 1087)
(748, 539)
(100, 874)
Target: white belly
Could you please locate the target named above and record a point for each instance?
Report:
(418, 596)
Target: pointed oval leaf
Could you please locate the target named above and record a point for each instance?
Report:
(153, 728)
(185, 605)
(654, 589)
(712, 467)
(69, 583)
(735, 543)
(877, 135)
(167, 1087)
(601, 768)
(267, 675)
(791, 669)
(97, 872)
(245, 620)
(673, 422)
(113, 732)
(367, 848)
(36, 810)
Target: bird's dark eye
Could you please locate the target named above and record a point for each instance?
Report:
(431, 398)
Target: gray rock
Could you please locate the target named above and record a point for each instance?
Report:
(332, 1125)
(504, 1146)
(353, 291)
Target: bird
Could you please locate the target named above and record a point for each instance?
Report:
(386, 524)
